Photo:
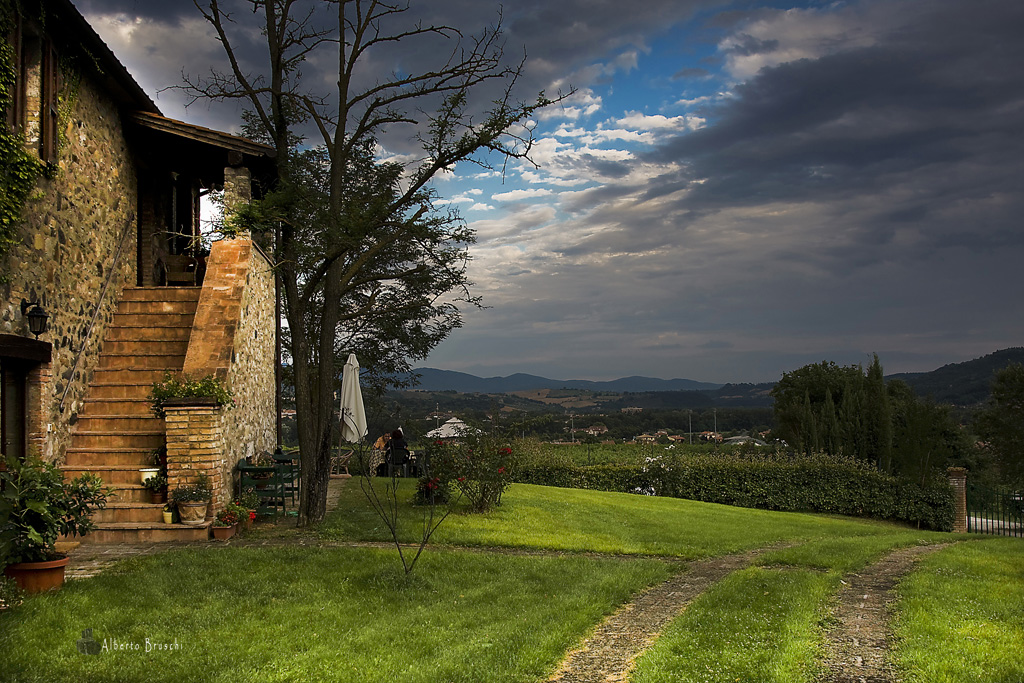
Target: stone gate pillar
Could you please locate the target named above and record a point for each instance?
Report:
(958, 480)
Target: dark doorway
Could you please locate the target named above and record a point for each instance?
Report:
(13, 399)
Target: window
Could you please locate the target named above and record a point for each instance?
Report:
(35, 96)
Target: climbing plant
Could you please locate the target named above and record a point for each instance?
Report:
(19, 168)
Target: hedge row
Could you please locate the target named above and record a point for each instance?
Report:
(793, 484)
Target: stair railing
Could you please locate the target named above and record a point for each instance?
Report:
(95, 313)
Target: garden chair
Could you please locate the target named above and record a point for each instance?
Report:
(266, 483)
(288, 471)
(340, 462)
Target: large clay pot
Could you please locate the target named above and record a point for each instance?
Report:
(38, 577)
(223, 533)
(192, 514)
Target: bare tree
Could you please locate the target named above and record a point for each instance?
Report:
(365, 259)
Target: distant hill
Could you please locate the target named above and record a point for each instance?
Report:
(961, 384)
(449, 380)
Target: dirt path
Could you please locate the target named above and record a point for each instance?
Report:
(609, 653)
(858, 646)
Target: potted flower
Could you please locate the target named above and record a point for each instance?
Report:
(157, 487)
(192, 501)
(37, 507)
(226, 524)
(249, 502)
(168, 513)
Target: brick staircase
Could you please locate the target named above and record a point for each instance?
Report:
(116, 432)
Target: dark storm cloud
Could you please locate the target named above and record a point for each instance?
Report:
(942, 92)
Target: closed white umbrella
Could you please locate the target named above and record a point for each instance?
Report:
(353, 417)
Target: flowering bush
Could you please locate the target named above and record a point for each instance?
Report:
(172, 387)
(432, 491)
(480, 465)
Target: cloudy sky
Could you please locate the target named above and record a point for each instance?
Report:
(736, 188)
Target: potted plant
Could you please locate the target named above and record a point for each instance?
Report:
(192, 501)
(37, 507)
(226, 524)
(174, 388)
(168, 513)
(157, 487)
(147, 473)
(249, 502)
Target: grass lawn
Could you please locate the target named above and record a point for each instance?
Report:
(755, 626)
(304, 614)
(960, 617)
(620, 523)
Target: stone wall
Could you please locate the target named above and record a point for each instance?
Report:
(73, 225)
(233, 338)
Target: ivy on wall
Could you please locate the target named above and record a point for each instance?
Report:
(19, 168)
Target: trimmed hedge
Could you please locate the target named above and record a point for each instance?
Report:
(789, 483)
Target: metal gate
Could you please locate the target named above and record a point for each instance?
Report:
(997, 510)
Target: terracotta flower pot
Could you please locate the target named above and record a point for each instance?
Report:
(193, 514)
(223, 533)
(159, 497)
(37, 577)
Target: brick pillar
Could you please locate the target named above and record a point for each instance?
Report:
(195, 444)
(958, 480)
(39, 440)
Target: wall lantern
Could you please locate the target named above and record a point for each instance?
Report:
(37, 317)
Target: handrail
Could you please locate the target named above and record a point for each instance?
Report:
(95, 314)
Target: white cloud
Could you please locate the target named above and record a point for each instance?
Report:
(656, 122)
(517, 195)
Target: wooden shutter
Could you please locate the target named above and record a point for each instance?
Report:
(16, 105)
(48, 123)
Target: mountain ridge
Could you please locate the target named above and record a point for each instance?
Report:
(432, 379)
(964, 383)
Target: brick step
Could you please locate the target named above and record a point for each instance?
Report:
(149, 333)
(139, 438)
(127, 377)
(128, 347)
(118, 423)
(130, 493)
(129, 407)
(161, 307)
(153, 319)
(129, 512)
(141, 360)
(161, 294)
(112, 475)
(84, 458)
(109, 533)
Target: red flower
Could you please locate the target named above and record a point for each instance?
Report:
(252, 515)
(506, 451)
(501, 470)
(439, 443)
(462, 479)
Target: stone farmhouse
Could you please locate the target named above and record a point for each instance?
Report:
(108, 251)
